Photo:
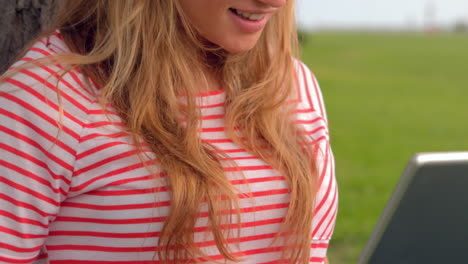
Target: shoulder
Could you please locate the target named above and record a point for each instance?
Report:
(309, 92)
(311, 112)
(44, 103)
(46, 87)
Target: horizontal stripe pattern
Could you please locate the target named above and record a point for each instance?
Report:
(73, 189)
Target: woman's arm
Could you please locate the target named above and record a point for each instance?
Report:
(38, 138)
(313, 108)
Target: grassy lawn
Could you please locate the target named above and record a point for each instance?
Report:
(388, 96)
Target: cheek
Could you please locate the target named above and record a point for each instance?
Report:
(216, 28)
(202, 14)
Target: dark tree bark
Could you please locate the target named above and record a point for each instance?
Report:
(20, 22)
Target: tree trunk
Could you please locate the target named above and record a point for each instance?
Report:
(20, 22)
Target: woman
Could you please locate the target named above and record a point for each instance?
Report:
(165, 132)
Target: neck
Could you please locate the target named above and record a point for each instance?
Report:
(213, 83)
(212, 61)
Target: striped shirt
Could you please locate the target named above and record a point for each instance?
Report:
(73, 189)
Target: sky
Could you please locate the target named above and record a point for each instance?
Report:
(414, 14)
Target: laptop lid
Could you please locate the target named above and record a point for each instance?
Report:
(426, 218)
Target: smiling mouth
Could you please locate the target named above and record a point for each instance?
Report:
(247, 16)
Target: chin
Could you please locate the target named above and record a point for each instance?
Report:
(239, 45)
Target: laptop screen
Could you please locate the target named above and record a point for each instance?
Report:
(426, 219)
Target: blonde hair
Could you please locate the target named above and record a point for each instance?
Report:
(141, 53)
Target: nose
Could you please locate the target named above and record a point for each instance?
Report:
(273, 3)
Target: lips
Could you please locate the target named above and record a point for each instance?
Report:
(247, 15)
(249, 20)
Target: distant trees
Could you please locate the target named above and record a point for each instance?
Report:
(461, 26)
(302, 36)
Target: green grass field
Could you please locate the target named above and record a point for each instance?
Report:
(388, 96)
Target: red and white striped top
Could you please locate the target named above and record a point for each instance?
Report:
(73, 190)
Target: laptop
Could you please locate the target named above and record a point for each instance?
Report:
(426, 218)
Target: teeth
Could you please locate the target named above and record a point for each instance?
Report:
(249, 16)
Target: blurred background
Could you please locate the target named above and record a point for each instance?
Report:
(394, 75)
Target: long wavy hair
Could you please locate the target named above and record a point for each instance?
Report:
(143, 55)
